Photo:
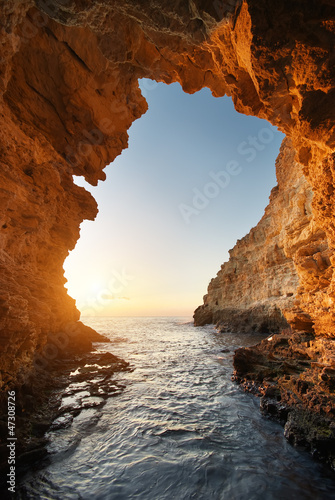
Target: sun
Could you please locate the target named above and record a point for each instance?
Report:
(95, 286)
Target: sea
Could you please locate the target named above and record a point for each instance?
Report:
(177, 428)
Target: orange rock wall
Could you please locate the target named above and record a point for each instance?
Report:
(258, 288)
(69, 91)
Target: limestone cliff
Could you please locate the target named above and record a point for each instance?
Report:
(259, 286)
(69, 92)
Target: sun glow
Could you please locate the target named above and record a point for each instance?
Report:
(141, 257)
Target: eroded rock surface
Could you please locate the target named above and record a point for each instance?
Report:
(254, 290)
(56, 398)
(294, 374)
(69, 92)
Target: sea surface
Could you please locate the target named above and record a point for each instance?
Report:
(180, 429)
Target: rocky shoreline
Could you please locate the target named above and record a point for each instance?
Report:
(261, 318)
(268, 285)
(72, 382)
(294, 375)
(258, 289)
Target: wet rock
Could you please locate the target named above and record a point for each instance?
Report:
(62, 422)
(273, 408)
(293, 375)
(313, 432)
(203, 316)
(58, 396)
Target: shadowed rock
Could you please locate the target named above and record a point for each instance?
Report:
(69, 92)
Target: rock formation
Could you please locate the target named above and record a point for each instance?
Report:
(258, 289)
(259, 283)
(69, 75)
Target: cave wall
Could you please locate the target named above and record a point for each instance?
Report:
(69, 75)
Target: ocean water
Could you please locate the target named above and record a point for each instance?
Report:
(180, 428)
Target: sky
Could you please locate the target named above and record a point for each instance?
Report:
(195, 178)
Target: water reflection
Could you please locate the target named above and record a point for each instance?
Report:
(181, 429)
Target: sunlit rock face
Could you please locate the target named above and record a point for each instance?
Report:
(58, 102)
(257, 288)
(69, 92)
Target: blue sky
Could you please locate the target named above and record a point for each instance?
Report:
(196, 177)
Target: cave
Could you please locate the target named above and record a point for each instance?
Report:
(69, 81)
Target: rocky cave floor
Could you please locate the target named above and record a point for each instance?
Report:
(54, 398)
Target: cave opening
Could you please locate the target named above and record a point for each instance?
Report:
(195, 178)
(187, 188)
